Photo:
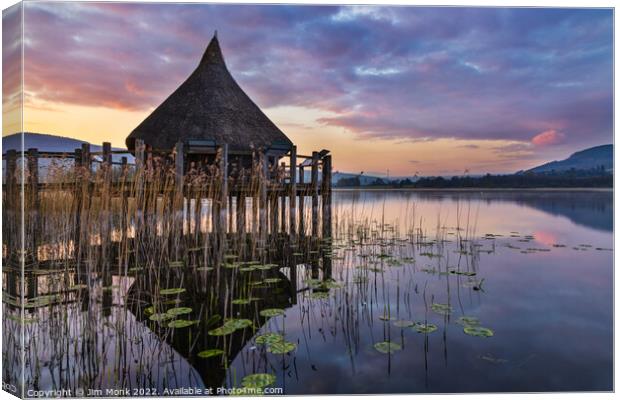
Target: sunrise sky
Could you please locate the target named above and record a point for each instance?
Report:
(434, 91)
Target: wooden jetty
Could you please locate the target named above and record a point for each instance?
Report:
(210, 172)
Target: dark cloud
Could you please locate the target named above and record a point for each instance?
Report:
(402, 72)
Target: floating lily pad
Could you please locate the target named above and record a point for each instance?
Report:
(478, 331)
(149, 310)
(179, 311)
(241, 301)
(210, 353)
(181, 323)
(166, 292)
(272, 280)
(249, 268)
(269, 338)
(443, 309)
(281, 347)
(222, 331)
(272, 312)
(238, 323)
(401, 323)
(425, 328)
(468, 321)
(386, 318)
(258, 381)
(205, 269)
(387, 347)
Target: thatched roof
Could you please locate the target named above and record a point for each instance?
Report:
(209, 105)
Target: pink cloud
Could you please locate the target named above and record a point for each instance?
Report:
(548, 137)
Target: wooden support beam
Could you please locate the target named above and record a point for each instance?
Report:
(302, 198)
(326, 194)
(315, 193)
(292, 196)
(241, 213)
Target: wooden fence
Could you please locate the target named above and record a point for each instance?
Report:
(128, 194)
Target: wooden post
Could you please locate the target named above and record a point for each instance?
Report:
(106, 203)
(124, 206)
(326, 194)
(273, 199)
(241, 212)
(282, 196)
(86, 201)
(292, 196)
(302, 198)
(315, 194)
(262, 213)
(106, 228)
(230, 212)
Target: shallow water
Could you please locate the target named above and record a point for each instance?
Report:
(535, 267)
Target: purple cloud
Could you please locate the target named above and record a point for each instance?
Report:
(412, 73)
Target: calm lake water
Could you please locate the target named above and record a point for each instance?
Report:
(534, 267)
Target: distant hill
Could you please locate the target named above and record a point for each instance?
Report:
(363, 179)
(595, 158)
(46, 142)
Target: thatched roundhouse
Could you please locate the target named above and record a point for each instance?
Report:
(210, 109)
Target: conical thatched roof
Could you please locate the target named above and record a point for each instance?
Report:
(209, 105)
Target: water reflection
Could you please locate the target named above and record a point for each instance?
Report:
(410, 269)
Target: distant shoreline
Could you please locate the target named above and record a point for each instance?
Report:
(393, 189)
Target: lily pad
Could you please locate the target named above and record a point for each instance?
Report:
(269, 338)
(176, 264)
(401, 323)
(241, 301)
(443, 309)
(387, 347)
(160, 317)
(468, 321)
(425, 328)
(238, 323)
(179, 311)
(222, 331)
(258, 381)
(166, 292)
(478, 331)
(272, 312)
(181, 323)
(281, 347)
(210, 353)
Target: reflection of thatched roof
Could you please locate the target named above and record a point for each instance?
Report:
(208, 105)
